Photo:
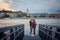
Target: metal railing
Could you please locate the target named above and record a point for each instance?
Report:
(46, 32)
(16, 32)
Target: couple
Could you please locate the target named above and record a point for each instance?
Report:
(32, 26)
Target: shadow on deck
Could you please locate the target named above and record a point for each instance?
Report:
(28, 37)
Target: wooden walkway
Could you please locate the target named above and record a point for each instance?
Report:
(27, 37)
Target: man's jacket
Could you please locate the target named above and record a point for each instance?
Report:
(32, 24)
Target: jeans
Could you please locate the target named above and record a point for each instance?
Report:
(31, 30)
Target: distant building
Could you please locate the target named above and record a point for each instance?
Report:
(20, 14)
(44, 15)
(37, 15)
(11, 14)
(54, 15)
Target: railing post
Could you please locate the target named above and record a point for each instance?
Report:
(45, 34)
(39, 31)
(11, 36)
(2, 35)
(19, 37)
(22, 34)
(46, 37)
(16, 33)
(58, 35)
(50, 33)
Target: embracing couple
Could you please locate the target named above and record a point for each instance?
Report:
(32, 26)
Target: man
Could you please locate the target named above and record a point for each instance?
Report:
(32, 26)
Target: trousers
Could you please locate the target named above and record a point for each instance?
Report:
(32, 29)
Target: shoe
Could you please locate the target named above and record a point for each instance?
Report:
(33, 35)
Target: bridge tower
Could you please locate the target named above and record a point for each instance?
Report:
(27, 12)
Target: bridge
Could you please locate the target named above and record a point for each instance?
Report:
(16, 32)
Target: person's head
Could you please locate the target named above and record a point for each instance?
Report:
(31, 20)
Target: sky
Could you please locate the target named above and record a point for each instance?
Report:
(34, 6)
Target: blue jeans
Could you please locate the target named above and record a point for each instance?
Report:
(30, 30)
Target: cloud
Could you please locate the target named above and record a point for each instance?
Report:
(42, 5)
(5, 4)
(8, 1)
(32, 5)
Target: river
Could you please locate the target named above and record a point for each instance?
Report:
(9, 22)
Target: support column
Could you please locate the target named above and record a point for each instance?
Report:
(50, 33)
(11, 36)
(16, 33)
(2, 35)
(58, 35)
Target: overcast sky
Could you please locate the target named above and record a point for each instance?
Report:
(38, 6)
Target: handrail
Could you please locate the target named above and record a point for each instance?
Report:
(11, 33)
(56, 26)
(19, 27)
(50, 29)
(9, 27)
(47, 31)
(18, 34)
(7, 24)
(48, 34)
